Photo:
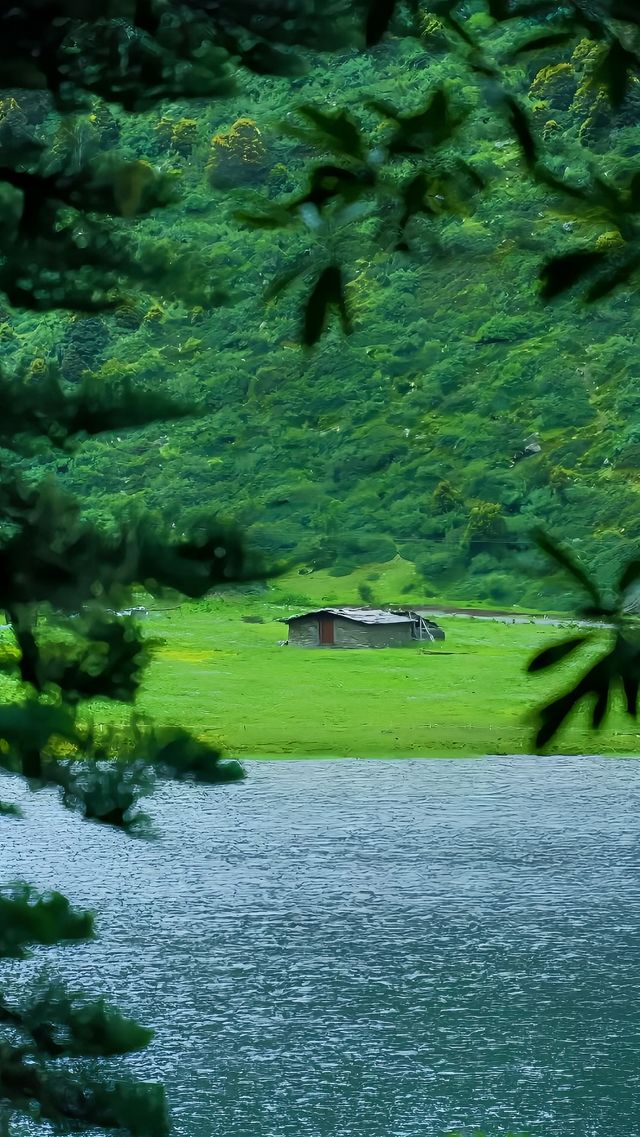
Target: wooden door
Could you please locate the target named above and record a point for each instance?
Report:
(325, 628)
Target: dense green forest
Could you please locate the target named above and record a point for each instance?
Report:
(459, 414)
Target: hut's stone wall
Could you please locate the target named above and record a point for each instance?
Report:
(305, 632)
(347, 633)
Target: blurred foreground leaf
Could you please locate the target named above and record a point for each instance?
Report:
(28, 917)
(326, 294)
(615, 668)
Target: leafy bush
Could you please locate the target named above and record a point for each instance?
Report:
(291, 599)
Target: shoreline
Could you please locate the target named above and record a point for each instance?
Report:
(625, 757)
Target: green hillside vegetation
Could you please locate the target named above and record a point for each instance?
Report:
(409, 438)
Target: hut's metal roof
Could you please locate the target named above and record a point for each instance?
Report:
(358, 615)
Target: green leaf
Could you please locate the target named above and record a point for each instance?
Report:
(634, 193)
(499, 9)
(181, 757)
(271, 217)
(379, 17)
(629, 575)
(65, 1025)
(430, 127)
(553, 716)
(29, 917)
(630, 686)
(329, 182)
(540, 42)
(265, 59)
(414, 198)
(619, 664)
(457, 25)
(626, 10)
(327, 292)
(284, 279)
(383, 108)
(316, 308)
(338, 129)
(136, 1108)
(600, 708)
(522, 130)
(614, 72)
(601, 613)
(552, 655)
(607, 195)
(596, 27)
(545, 177)
(609, 281)
(10, 809)
(106, 792)
(563, 558)
(561, 273)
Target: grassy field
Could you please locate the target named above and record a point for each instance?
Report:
(229, 681)
(219, 671)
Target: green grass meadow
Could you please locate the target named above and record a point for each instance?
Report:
(229, 681)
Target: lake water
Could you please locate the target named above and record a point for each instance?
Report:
(371, 949)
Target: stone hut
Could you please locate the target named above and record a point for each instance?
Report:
(360, 627)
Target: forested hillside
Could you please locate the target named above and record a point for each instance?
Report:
(461, 412)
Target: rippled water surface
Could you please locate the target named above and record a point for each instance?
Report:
(371, 948)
